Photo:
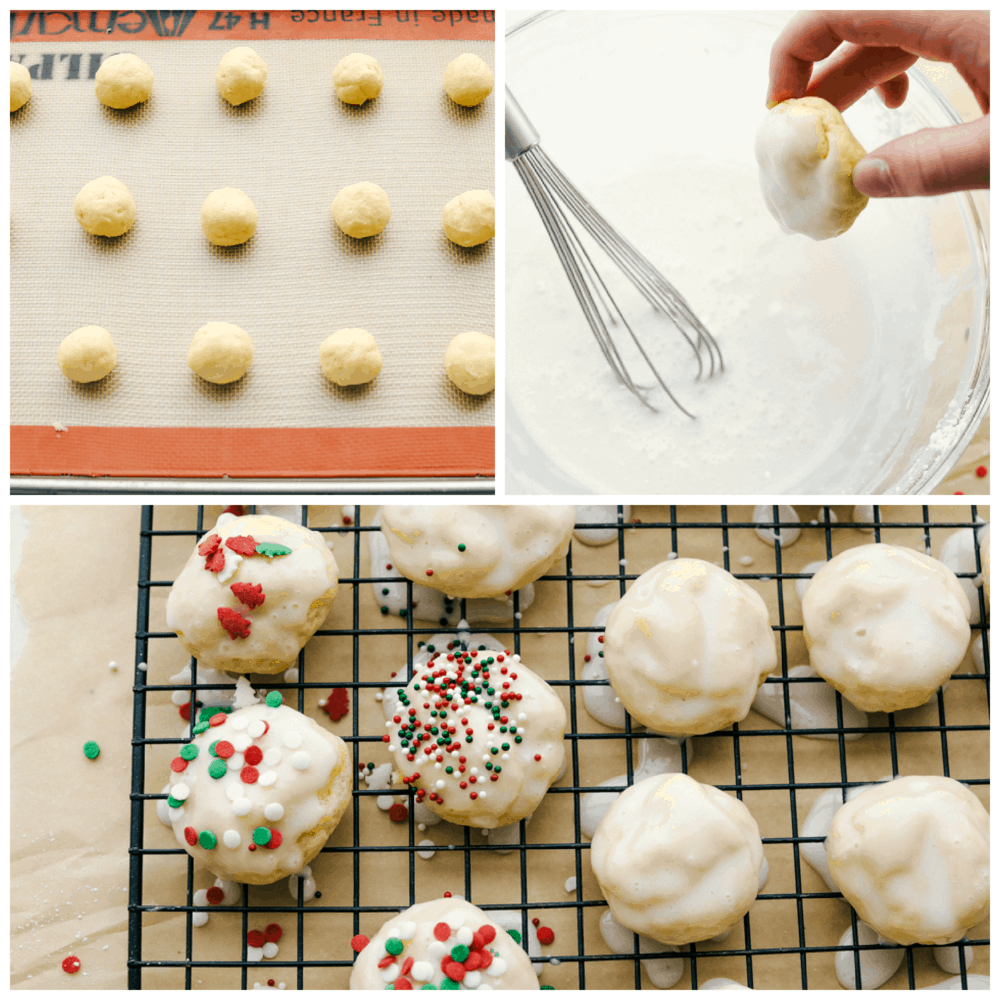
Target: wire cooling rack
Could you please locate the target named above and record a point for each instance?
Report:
(580, 960)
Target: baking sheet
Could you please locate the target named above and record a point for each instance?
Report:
(69, 833)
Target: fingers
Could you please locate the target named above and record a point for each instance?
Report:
(855, 69)
(931, 161)
(893, 92)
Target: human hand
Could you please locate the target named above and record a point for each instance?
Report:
(874, 49)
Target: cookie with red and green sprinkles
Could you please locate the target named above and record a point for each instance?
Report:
(443, 944)
(477, 733)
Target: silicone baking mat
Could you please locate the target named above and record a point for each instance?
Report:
(94, 874)
(297, 280)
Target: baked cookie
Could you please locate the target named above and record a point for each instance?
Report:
(687, 648)
(885, 625)
(677, 861)
(912, 856)
(252, 594)
(478, 734)
(476, 551)
(257, 792)
(444, 944)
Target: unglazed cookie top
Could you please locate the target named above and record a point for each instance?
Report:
(677, 861)
(687, 647)
(476, 732)
(912, 856)
(252, 593)
(886, 626)
(476, 551)
(447, 943)
(257, 792)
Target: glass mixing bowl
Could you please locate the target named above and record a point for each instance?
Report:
(611, 91)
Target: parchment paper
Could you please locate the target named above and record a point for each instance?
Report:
(69, 825)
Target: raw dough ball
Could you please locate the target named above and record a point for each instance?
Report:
(220, 353)
(677, 860)
(20, 86)
(123, 80)
(282, 790)
(298, 588)
(361, 210)
(503, 964)
(523, 771)
(104, 207)
(357, 78)
(228, 217)
(87, 354)
(687, 648)
(350, 357)
(885, 625)
(912, 856)
(480, 550)
(468, 80)
(241, 75)
(471, 364)
(470, 218)
(806, 154)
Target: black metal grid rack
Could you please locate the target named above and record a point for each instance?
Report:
(357, 741)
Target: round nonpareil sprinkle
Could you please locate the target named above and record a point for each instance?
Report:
(546, 935)
(232, 839)
(301, 760)
(274, 699)
(359, 942)
(189, 751)
(91, 750)
(207, 839)
(71, 964)
(255, 939)
(215, 895)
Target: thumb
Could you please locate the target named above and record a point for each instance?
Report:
(931, 161)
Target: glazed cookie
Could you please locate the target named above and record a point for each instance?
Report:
(687, 648)
(912, 856)
(886, 626)
(258, 791)
(677, 861)
(251, 595)
(444, 944)
(476, 551)
(478, 734)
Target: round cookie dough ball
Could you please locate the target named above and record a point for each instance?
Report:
(20, 86)
(228, 217)
(434, 935)
(357, 78)
(885, 625)
(220, 353)
(361, 210)
(912, 856)
(252, 593)
(468, 80)
(87, 354)
(123, 80)
(350, 357)
(806, 154)
(687, 648)
(104, 207)
(677, 860)
(470, 362)
(241, 75)
(470, 218)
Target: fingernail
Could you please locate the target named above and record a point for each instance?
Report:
(872, 177)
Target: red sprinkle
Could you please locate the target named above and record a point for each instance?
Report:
(347, 520)
(430, 572)
(387, 961)
(442, 931)
(218, 719)
(538, 756)
(358, 943)
(178, 764)
(216, 561)
(256, 939)
(251, 846)
(191, 835)
(273, 932)
(337, 704)
(225, 749)
(244, 545)
(407, 965)
(535, 921)
(982, 471)
(398, 812)
(546, 935)
(485, 958)
(403, 984)
(209, 545)
(235, 508)
(488, 931)
(252, 754)
(447, 895)
(250, 594)
(275, 840)
(185, 711)
(215, 895)
(71, 964)
(234, 623)
(958, 493)
(473, 961)
(453, 970)
(249, 775)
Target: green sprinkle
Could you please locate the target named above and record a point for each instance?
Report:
(274, 699)
(207, 840)
(494, 750)
(385, 590)
(547, 987)
(517, 739)
(212, 746)
(271, 549)
(460, 952)
(516, 935)
(461, 548)
(505, 746)
(395, 947)
(430, 648)
(174, 803)
(200, 728)
(428, 986)
(262, 836)
(385, 610)
(189, 751)
(449, 770)
(402, 612)
(497, 769)
(91, 750)
(449, 984)
(217, 769)
(391, 986)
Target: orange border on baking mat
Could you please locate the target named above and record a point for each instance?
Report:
(207, 452)
(246, 25)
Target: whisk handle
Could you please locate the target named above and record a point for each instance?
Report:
(520, 134)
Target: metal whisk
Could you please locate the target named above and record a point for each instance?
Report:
(552, 192)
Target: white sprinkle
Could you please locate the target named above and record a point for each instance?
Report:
(301, 760)
(270, 949)
(436, 949)
(232, 839)
(554, 961)
(199, 919)
(385, 803)
(671, 555)
(242, 742)
(464, 935)
(392, 748)
(112, 665)
(143, 667)
(571, 884)
(267, 779)
(234, 791)
(235, 763)
(746, 560)
(254, 954)
(421, 827)
(292, 675)
(200, 897)
(256, 728)
(407, 931)
(180, 791)
(497, 967)
(522, 717)
(439, 783)
(389, 724)
(274, 811)
(517, 615)
(505, 756)
(292, 740)
(378, 697)
(322, 703)
(472, 979)
(239, 722)
(422, 972)
(242, 806)
(272, 756)
(390, 972)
